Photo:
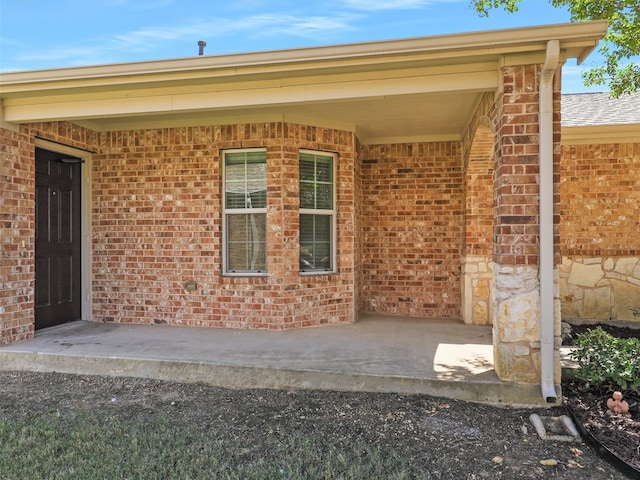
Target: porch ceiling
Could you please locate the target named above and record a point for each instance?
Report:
(417, 117)
(395, 91)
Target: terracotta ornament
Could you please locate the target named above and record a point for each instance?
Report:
(616, 405)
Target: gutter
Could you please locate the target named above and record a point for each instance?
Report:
(547, 314)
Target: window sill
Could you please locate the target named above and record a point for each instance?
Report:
(245, 274)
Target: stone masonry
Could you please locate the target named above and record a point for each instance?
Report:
(600, 289)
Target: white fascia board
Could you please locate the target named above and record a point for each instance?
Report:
(229, 85)
(87, 109)
(68, 107)
(604, 134)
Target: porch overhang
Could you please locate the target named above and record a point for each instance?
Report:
(417, 89)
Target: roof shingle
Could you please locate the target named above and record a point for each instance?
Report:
(593, 109)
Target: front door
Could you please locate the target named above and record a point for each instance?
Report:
(58, 270)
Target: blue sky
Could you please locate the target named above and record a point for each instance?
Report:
(43, 34)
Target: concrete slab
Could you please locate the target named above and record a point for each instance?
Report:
(386, 354)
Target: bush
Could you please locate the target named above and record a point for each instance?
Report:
(607, 362)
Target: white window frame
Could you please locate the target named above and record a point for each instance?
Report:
(332, 213)
(242, 211)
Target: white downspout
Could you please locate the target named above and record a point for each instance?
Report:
(547, 314)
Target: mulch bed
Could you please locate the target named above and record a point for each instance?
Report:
(619, 434)
(620, 332)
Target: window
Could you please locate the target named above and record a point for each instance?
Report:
(245, 211)
(317, 212)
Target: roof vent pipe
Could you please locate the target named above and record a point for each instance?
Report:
(201, 45)
(547, 310)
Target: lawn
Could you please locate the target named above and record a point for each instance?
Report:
(93, 446)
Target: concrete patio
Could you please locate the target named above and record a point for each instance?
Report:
(440, 357)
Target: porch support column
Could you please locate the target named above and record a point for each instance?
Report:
(516, 255)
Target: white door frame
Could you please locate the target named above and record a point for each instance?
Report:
(85, 218)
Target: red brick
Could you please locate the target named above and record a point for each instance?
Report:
(600, 200)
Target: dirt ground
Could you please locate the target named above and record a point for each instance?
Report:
(446, 438)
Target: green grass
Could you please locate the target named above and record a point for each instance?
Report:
(86, 446)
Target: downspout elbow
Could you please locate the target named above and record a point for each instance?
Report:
(547, 313)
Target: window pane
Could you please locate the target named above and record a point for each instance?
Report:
(324, 197)
(235, 158)
(235, 200)
(258, 199)
(307, 195)
(316, 181)
(246, 242)
(315, 242)
(324, 169)
(307, 168)
(306, 229)
(245, 180)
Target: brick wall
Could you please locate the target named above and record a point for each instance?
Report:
(412, 228)
(157, 224)
(600, 190)
(17, 224)
(64, 133)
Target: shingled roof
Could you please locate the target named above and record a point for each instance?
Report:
(595, 109)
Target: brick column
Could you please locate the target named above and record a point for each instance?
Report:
(516, 329)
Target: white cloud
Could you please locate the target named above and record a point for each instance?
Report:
(373, 5)
(148, 41)
(301, 26)
(252, 26)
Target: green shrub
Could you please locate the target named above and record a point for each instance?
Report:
(608, 362)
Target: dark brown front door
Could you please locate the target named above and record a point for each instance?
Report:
(57, 289)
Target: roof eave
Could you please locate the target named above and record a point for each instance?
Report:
(601, 134)
(577, 41)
